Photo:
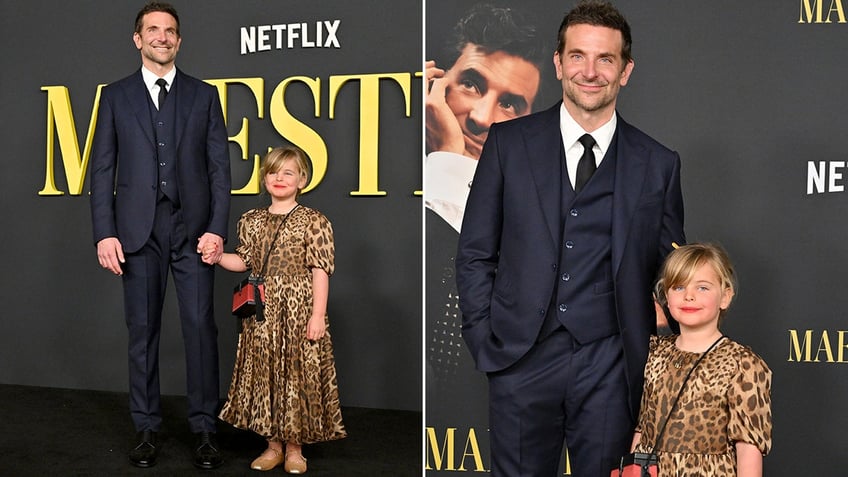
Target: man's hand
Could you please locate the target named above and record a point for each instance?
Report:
(110, 254)
(443, 130)
(211, 246)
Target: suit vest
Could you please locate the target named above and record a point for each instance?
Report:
(164, 120)
(584, 298)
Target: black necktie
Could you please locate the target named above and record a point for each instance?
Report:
(162, 91)
(586, 167)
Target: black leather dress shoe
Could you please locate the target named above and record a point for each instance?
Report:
(144, 454)
(206, 454)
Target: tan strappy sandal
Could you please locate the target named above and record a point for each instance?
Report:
(295, 463)
(268, 460)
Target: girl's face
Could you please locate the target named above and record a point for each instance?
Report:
(286, 182)
(696, 305)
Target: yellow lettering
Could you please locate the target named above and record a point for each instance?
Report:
(60, 114)
(443, 454)
(797, 347)
(475, 452)
(836, 6)
(257, 88)
(842, 346)
(369, 122)
(807, 15)
(419, 192)
(61, 129)
(807, 9)
(824, 345)
(298, 133)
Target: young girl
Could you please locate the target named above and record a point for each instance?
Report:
(721, 426)
(284, 382)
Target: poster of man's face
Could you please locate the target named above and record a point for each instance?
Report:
(487, 65)
(486, 62)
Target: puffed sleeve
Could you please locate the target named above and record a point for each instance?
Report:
(320, 249)
(749, 400)
(245, 245)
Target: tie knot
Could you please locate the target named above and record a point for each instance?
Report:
(587, 141)
(162, 83)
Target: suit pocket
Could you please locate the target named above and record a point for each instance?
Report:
(502, 291)
(604, 287)
(650, 202)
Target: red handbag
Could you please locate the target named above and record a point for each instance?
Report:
(636, 464)
(245, 296)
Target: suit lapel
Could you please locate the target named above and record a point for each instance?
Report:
(138, 97)
(543, 149)
(185, 100)
(631, 162)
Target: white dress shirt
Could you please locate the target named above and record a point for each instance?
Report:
(150, 81)
(571, 133)
(447, 181)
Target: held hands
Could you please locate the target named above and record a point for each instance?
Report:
(315, 328)
(208, 253)
(443, 130)
(110, 253)
(211, 247)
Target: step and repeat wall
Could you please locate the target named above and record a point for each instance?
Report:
(752, 96)
(336, 78)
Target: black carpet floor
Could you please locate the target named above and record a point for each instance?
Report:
(62, 432)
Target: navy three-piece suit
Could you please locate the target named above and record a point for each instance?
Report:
(160, 178)
(555, 290)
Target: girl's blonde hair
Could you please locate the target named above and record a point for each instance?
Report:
(274, 160)
(681, 264)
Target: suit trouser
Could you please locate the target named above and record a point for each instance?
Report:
(560, 390)
(145, 281)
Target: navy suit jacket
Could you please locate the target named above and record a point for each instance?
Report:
(508, 250)
(124, 162)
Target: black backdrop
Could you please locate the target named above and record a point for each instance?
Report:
(750, 94)
(63, 322)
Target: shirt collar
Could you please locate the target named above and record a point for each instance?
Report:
(571, 131)
(150, 78)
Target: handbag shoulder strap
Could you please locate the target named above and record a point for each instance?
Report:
(274, 240)
(680, 393)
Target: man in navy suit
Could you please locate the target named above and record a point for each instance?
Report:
(555, 270)
(160, 190)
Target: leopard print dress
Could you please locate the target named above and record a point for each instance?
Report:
(726, 400)
(284, 386)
